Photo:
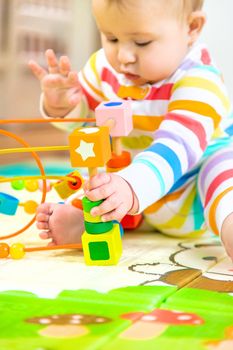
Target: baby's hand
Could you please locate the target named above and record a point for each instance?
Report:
(60, 85)
(119, 196)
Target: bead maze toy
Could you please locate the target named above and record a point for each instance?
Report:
(89, 147)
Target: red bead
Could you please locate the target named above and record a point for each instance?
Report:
(76, 184)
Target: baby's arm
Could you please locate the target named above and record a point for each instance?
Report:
(118, 194)
(60, 85)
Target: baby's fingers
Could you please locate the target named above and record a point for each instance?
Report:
(51, 59)
(64, 65)
(97, 181)
(72, 79)
(116, 214)
(37, 70)
(108, 205)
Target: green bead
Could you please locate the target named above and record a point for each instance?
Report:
(99, 250)
(98, 228)
(18, 184)
(88, 205)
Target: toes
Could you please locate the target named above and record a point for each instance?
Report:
(45, 234)
(52, 243)
(45, 208)
(42, 225)
(41, 217)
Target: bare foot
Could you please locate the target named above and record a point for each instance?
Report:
(227, 235)
(64, 224)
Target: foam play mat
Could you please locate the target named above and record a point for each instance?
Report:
(165, 293)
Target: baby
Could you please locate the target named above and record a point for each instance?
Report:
(181, 176)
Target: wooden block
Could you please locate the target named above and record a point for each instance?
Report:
(88, 204)
(62, 189)
(89, 218)
(90, 147)
(102, 249)
(120, 112)
(98, 228)
(131, 222)
(8, 204)
(66, 188)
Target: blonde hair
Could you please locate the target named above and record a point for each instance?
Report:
(183, 6)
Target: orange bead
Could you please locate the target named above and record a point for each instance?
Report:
(17, 251)
(31, 185)
(77, 203)
(4, 250)
(30, 207)
(119, 161)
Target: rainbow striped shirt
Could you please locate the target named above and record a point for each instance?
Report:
(177, 121)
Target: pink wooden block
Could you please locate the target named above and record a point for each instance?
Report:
(120, 111)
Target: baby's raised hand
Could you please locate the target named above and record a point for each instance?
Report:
(119, 198)
(59, 84)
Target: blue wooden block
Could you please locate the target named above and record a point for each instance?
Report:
(8, 204)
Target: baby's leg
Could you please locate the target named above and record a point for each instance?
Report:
(61, 223)
(215, 184)
(179, 213)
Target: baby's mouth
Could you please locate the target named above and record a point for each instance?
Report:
(131, 76)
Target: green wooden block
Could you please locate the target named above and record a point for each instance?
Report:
(90, 218)
(88, 205)
(99, 250)
(98, 228)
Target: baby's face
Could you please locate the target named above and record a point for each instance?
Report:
(142, 39)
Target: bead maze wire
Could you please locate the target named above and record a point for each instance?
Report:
(42, 175)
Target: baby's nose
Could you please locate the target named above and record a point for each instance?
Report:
(126, 56)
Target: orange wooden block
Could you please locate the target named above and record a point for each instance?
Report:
(90, 147)
(131, 222)
(119, 161)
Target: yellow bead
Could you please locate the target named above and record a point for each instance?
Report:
(31, 185)
(4, 250)
(30, 207)
(17, 251)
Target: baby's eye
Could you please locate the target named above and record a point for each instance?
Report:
(145, 43)
(112, 40)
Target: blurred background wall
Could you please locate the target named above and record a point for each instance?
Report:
(27, 29)
(218, 35)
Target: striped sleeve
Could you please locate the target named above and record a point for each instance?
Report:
(198, 104)
(90, 79)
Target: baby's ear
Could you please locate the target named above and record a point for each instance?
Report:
(196, 22)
